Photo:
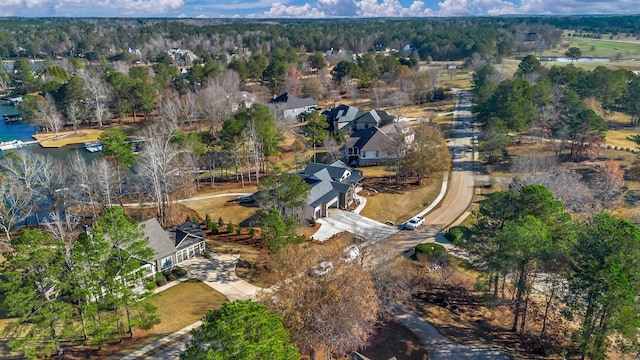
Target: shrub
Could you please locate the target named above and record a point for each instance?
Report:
(480, 285)
(455, 234)
(161, 281)
(220, 221)
(430, 249)
(206, 254)
(214, 228)
(635, 138)
(252, 233)
(230, 227)
(238, 230)
(150, 285)
(169, 275)
(207, 219)
(178, 271)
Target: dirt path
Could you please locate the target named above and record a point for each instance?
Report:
(204, 197)
(439, 346)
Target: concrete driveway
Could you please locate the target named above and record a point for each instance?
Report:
(219, 272)
(340, 220)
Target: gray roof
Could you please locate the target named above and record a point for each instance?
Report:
(384, 116)
(327, 181)
(159, 240)
(342, 113)
(293, 102)
(360, 138)
(324, 172)
(369, 117)
(188, 234)
(370, 139)
(320, 193)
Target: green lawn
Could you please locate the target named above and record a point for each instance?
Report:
(178, 307)
(596, 48)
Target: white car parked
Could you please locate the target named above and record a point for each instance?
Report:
(414, 223)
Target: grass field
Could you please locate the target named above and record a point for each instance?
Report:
(178, 307)
(67, 138)
(221, 207)
(604, 48)
(399, 207)
(184, 304)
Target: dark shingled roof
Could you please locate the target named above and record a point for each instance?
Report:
(342, 113)
(159, 240)
(293, 102)
(165, 243)
(188, 234)
(327, 181)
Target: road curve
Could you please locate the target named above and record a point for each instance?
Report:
(460, 192)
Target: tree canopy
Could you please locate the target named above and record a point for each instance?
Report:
(241, 330)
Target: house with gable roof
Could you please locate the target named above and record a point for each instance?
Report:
(292, 106)
(340, 117)
(378, 146)
(174, 246)
(332, 186)
(349, 119)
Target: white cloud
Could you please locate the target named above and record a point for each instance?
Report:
(304, 11)
(350, 8)
(392, 8)
(91, 7)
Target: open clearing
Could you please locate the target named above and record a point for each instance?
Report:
(67, 138)
(221, 207)
(398, 206)
(178, 307)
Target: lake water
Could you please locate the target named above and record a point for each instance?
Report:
(23, 131)
(18, 130)
(568, 60)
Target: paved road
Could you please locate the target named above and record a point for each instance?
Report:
(461, 188)
(453, 208)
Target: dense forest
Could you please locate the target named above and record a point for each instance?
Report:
(437, 39)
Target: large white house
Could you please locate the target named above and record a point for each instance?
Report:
(292, 106)
(332, 186)
(378, 146)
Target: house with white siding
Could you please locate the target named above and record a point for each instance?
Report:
(378, 146)
(332, 186)
(174, 246)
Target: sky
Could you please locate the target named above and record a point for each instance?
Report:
(310, 8)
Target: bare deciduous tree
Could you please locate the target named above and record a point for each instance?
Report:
(400, 97)
(28, 172)
(219, 99)
(62, 227)
(15, 204)
(334, 309)
(565, 184)
(74, 113)
(99, 93)
(160, 167)
(84, 187)
(47, 116)
(105, 178)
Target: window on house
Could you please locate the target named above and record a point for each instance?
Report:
(377, 153)
(364, 154)
(166, 262)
